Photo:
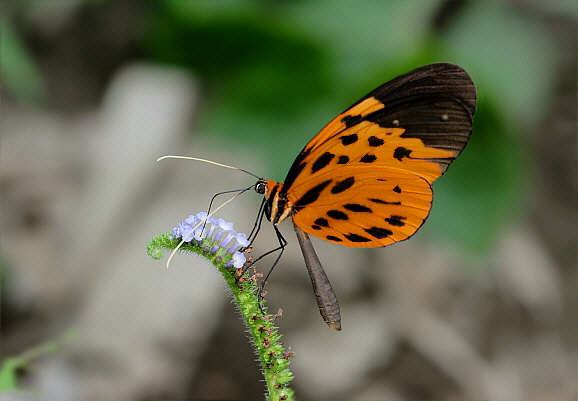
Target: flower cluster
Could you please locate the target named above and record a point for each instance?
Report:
(215, 236)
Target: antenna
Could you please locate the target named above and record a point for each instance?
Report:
(206, 161)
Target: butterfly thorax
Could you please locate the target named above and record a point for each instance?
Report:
(278, 206)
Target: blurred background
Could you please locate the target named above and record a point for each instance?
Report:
(480, 304)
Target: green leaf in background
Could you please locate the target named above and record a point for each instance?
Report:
(262, 77)
(11, 366)
(18, 71)
(512, 54)
(8, 375)
(484, 189)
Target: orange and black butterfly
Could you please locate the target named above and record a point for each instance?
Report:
(365, 180)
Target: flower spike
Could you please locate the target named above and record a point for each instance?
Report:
(216, 240)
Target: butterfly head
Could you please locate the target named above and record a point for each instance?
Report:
(261, 186)
(277, 208)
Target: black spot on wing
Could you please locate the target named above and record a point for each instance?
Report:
(355, 207)
(400, 153)
(397, 189)
(378, 232)
(348, 139)
(337, 215)
(396, 220)
(382, 202)
(350, 121)
(356, 238)
(368, 158)
(375, 141)
(315, 227)
(334, 238)
(343, 185)
(343, 160)
(321, 162)
(322, 222)
(311, 195)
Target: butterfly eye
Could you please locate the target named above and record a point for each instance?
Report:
(260, 187)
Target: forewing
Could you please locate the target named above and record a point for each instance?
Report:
(418, 122)
(363, 207)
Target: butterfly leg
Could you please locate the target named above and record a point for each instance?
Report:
(282, 245)
(252, 236)
(281, 248)
(257, 225)
(326, 298)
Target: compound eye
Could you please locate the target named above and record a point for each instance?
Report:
(260, 187)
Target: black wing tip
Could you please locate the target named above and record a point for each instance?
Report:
(445, 70)
(441, 78)
(454, 75)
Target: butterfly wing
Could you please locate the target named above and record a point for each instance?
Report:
(400, 137)
(365, 207)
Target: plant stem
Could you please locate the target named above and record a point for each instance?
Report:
(265, 335)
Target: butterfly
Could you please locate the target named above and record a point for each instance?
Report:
(365, 180)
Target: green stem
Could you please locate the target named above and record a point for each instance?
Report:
(266, 338)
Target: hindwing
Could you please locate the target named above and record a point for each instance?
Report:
(363, 207)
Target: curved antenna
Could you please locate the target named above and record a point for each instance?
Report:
(227, 192)
(240, 191)
(198, 225)
(206, 161)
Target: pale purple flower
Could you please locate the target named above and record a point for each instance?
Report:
(176, 233)
(214, 236)
(201, 216)
(237, 261)
(229, 236)
(190, 220)
(225, 225)
(241, 241)
(199, 234)
(186, 231)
